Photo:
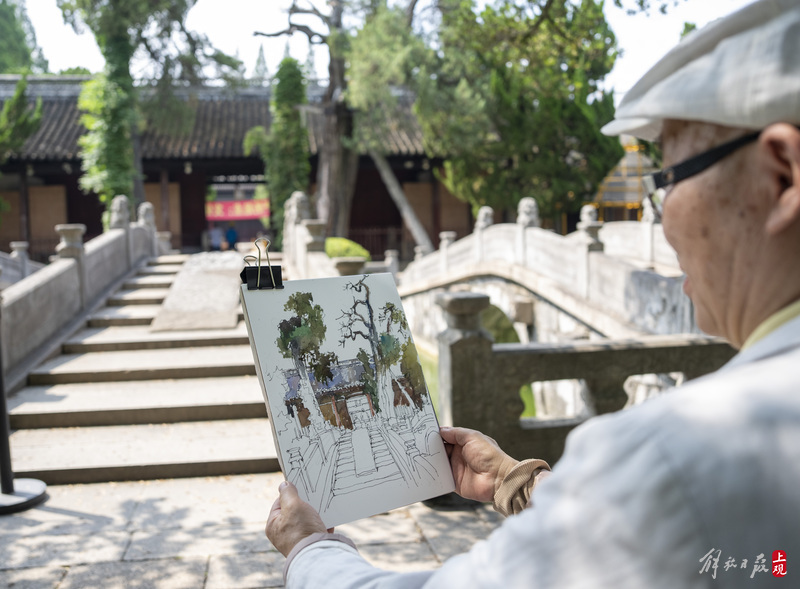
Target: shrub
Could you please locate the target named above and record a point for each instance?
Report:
(339, 247)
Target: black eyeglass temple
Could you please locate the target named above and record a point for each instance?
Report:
(700, 162)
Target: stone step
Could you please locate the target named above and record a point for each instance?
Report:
(151, 281)
(136, 402)
(145, 365)
(138, 296)
(170, 259)
(128, 315)
(137, 452)
(160, 269)
(106, 339)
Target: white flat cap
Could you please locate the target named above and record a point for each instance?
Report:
(740, 71)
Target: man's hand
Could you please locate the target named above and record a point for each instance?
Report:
(478, 463)
(291, 519)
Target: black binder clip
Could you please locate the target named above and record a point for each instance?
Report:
(253, 276)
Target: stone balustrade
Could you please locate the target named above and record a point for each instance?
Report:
(38, 310)
(479, 381)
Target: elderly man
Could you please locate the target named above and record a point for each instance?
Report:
(702, 485)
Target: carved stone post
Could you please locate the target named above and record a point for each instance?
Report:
(19, 252)
(71, 246)
(419, 252)
(392, 259)
(527, 216)
(465, 350)
(607, 393)
(121, 219)
(147, 219)
(316, 231)
(590, 227)
(446, 239)
(484, 220)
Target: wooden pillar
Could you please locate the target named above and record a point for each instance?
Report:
(165, 199)
(436, 205)
(24, 207)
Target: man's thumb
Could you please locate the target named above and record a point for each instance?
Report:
(288, 491)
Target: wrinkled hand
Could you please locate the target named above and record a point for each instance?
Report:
(291, 519)
(478, 463)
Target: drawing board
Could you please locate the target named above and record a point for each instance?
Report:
(353, 421)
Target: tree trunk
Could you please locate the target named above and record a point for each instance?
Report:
(398, 196)
(138, 175)
(338, 166)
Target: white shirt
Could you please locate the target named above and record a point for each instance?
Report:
(641, 496)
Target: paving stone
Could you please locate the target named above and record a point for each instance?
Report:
(395, 526)
(42, 550)
(140, 337)
(197, 541)
(402, 557)
(245, 571)
(450, 532)
(208, 501)
(35, 578)
(154, 574)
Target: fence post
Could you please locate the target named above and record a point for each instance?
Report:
(20, 253)
(465, 350)
(446, 239)
(71, 246)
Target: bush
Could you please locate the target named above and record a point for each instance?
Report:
(339, 247)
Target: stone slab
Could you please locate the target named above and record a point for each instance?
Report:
(160, 269)
(62, 455)
(205, 294)
(150, 281)
(245, 571)
(403, 557)
(168, 259)
(146, 365)
(40, 550)
(114, 338)
(450, 532)
(158, 574)
(201, 540)
(127, 315)
(138, 296)
(130, 402)
(34, 578)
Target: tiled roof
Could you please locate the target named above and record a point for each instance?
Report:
(222, 118)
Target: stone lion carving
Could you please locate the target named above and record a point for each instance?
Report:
(648, 214)
(528, 213)
(588, 214)
(146, 215)
(120, 212)
(485, 218)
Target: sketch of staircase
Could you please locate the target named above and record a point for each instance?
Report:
(346, 480)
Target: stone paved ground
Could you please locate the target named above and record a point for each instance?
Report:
(200, 533)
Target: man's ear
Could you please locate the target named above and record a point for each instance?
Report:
(781, 143)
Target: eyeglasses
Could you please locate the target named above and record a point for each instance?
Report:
(658, 185)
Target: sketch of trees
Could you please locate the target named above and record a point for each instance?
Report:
(300, 338)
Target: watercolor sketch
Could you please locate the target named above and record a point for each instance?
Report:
(352, 417)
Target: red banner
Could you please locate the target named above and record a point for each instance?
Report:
(234, 210)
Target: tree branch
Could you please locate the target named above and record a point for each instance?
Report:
(292, 29)
(295, 9)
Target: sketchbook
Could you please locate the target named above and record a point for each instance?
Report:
(353, 422)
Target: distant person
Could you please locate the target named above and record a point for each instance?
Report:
(699, 487)
(215, 238)
(231, 236)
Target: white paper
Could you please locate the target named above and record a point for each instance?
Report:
(353, 422)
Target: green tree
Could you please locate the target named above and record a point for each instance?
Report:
(111, 149)
(512, 99)
(300, 339)
(18, 121)
(19, 52)
(284, 148)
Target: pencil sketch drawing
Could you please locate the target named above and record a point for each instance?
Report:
(353, 412)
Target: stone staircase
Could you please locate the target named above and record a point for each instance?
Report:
(124, 403)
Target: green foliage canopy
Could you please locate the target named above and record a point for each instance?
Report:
(19, 52)
(512, 100)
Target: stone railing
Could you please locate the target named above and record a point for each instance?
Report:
(479, 382)
(304, 247)
(16, 265)
(42, 309)
(636, 280)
